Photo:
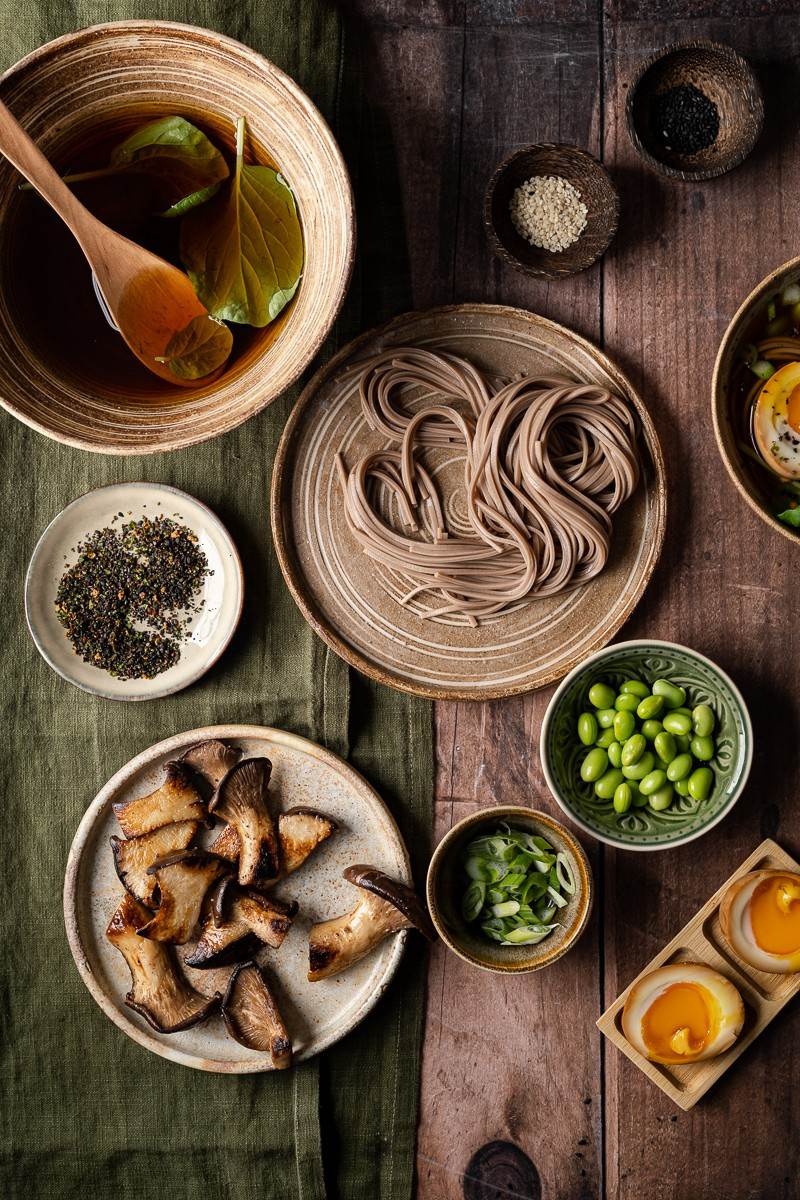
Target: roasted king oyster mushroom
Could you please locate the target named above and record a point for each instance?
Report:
(237, 924)
(300, 831)
(177, 799)
(211, 760)
(159, 992)
(133, 857)
(252, 1017)
(183, 880)
(385, 907)
(242, 802)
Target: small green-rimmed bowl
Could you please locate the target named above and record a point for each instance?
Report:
(642, 828)
(446, 884)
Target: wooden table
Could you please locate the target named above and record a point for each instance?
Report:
(456, 86)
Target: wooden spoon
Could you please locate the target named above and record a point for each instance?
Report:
(152, 303)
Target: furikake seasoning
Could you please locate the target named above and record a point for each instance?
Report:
(128, 599)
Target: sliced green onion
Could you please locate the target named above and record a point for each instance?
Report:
(762, 368)
(528, 935)
(772, 309)
(557, 898)
(509, 908)
(564, 872)
(790, 295)
(472, 902)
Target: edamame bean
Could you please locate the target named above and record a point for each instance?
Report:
(615, 754)
(703, 748)
(687, 712)
(652, 782)
(639, 769)
(626, 703)
(635, 687)
(651, 706)
(639, 801)
(683, 742)
(661, 799)
(607, 784)
(587, 728)
(633, 749)
(674, 696)
(677, 722)
(601, 695)
(624, 725)
(700, 782)
(665, 746)
(623, 798)
(680, 768)
(606, 738)
(594, 765)
(605, 717)
(703, 718)
(681, 787)
(651, 729)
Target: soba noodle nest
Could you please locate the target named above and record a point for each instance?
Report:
(547, 461)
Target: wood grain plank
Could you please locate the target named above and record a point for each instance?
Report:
(686, 256)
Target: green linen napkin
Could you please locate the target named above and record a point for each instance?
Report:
(86, 1112)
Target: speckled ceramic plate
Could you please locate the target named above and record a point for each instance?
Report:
(209, 630)
(686, 818)
(354, 604)
(317, 1014)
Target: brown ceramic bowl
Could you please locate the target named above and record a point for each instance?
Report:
(754, 483)
(445, 887)
(587, 176)
(114, 76)
(722, 75)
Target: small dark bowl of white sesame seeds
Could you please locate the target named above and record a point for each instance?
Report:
(550, 210)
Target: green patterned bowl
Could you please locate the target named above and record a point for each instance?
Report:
(641, 828)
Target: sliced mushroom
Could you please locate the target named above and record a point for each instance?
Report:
(249, 920)
(300, 831)
(159, 992)
(177, 799)
(242, 802)
(385, 907)
(133, 857)
(183, 880)
(252, 1016)
(211, 760)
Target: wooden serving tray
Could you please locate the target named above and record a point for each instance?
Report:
(701, 940)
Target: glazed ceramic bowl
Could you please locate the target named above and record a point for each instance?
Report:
(92, 84)
(731, 426)
(446, 884)
(642, 828)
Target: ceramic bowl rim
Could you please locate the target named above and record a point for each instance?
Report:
(598, 656)
(500, 812)
(718, 402)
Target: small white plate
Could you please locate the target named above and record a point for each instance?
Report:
(317, 1014)
(210, 630)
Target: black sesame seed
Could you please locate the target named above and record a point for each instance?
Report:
(684, 120)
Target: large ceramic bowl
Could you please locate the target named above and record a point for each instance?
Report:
(91, 84)
(642, 828)
(446, 883)
(753, 482)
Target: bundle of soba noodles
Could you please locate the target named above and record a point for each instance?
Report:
(546, 463)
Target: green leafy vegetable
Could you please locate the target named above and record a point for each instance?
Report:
(199, 349)
(187, 167)
(244, 250)
(790, 516)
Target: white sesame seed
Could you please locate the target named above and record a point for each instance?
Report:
(548, 212)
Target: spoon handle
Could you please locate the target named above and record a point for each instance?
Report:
(25, 155)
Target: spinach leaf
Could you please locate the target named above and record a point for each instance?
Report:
(244, 250)
(790, 516)
(199, 349)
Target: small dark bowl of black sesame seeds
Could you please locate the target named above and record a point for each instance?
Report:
(694, 110)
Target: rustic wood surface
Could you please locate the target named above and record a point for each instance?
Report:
(520, 1097)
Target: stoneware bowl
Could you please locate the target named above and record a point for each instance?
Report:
(446, 884)
(641, 828)
(722, 75)
(95, 82)
(587, 176)
(758, 486)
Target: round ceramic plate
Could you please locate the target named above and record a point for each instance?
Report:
(354, 604)
(317, 1014)
(686, 818)
(210, 629)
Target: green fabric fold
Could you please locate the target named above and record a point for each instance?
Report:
(85, 1111)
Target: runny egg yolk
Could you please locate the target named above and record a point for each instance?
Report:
(680, 1022)
(775, 914)
(793, 408)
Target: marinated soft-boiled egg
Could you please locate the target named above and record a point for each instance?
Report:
(776, 421)
(760, 917)
(682, 1013)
